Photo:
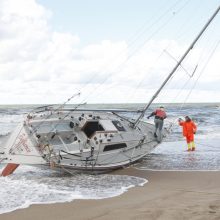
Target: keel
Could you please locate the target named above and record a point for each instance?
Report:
(9, 169)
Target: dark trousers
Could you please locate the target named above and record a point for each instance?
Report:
(158, 129)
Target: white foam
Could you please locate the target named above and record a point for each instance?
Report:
(35, 186)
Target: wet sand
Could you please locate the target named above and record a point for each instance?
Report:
(168, 195)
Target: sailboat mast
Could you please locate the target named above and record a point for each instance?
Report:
(175, 68)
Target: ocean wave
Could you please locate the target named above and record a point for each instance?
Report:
(36, 186)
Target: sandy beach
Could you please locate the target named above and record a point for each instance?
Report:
(167, 195)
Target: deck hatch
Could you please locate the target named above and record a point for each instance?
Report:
(91, 127)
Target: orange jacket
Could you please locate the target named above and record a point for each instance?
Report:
(189, 127)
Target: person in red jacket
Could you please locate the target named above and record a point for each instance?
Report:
(159, 115)
(189, 129)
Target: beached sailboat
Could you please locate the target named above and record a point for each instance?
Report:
(91, 141)
(83, 140)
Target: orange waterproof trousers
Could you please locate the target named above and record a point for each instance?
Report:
(189, 138)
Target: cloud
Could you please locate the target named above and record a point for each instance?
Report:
(41, 65)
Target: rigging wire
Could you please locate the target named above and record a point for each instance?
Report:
(119, 68)
(135, 37)
(180, 29)
(202, 53)
(161, 27)
(56, 109)
(191, 77)
(196, 81)
(167, 11)
(202, 71)
(155, 22)
(188, 50)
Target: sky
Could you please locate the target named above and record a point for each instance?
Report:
(108, 51)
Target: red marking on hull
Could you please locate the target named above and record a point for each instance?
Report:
(9, 169)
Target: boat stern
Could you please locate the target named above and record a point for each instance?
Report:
(21, 148)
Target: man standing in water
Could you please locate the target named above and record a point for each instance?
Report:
(159, 116)
(189, 129)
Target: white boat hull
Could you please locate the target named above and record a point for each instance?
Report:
(92, 142)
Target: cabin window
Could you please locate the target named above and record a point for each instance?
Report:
(114, 146)
(118, 125)
(91, 127)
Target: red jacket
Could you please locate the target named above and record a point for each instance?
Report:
(158, 113)
(189, 127)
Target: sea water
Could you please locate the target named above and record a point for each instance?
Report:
(31, 185)
(172, 154)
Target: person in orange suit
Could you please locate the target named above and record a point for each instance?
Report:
(189, 129)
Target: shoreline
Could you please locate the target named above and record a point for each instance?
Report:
(167, 195)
